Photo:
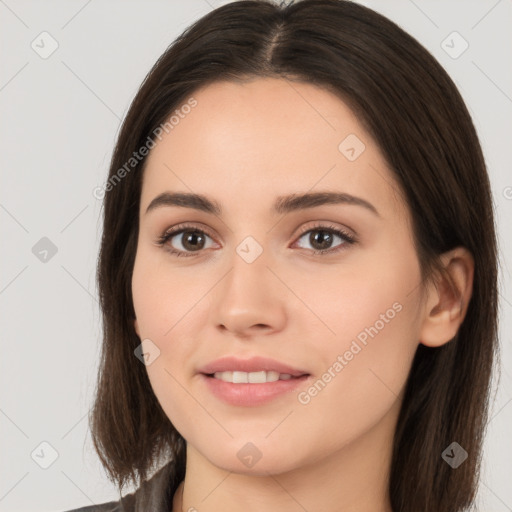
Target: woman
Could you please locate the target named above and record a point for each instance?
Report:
(297, 273)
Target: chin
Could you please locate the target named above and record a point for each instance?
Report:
(255, 459)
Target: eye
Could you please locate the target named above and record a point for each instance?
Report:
(190, 240)
(322, 237)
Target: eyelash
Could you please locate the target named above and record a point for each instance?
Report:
(182, 228)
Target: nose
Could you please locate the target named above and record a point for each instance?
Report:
(249, 301)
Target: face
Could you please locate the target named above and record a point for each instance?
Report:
(326, 287)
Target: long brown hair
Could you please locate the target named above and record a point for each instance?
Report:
(412, 108)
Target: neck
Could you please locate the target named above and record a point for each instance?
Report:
(352, 479)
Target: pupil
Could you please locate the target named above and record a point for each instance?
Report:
(191, 240)
(326, 241)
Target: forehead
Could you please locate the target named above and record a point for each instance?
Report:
(250, 142)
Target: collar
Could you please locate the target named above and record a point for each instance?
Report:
(155, 494)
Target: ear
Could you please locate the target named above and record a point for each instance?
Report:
(448, 298)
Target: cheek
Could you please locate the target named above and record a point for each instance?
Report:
(362, 381)
(372, 300)
(163, 297)
(166, 305)
(365, 365)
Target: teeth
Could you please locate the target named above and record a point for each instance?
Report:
(251, 377)
(239, 377)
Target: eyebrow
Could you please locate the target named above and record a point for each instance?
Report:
(282, 205)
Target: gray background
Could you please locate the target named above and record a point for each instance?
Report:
(59, 119)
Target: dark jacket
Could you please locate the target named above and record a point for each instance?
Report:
(154, 495)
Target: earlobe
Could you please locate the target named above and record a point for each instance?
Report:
(447, 301)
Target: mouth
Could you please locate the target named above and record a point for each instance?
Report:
(251, 389)
(258, 377)
(255, 370)
(252, 381)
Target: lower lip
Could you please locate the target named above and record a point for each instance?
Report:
(246, 395)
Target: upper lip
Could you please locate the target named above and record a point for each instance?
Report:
(253, 364)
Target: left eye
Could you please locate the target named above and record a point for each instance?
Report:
(322, 238)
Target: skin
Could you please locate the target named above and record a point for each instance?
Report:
(243, 145)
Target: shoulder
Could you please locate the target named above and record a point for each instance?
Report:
(125, 504)
(111, 506)
(153, 495)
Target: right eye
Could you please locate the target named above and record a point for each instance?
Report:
(190, 240)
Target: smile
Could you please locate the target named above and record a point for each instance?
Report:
(260, 377)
